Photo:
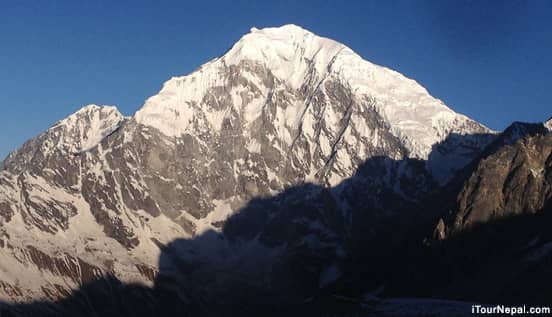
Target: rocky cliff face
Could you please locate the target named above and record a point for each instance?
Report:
(511, 177)
(514, 180)
(288, 130)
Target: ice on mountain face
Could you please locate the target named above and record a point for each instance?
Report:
(300, 59)
(87, 127)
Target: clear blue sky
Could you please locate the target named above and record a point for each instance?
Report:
(491, 60)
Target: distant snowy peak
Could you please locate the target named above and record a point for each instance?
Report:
(296, 60)
(77, 133)
(548, 124)
(86, 128)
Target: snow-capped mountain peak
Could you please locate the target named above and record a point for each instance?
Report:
(77, 133)
(87, 127)
(288, 51)
(292, 127)
(292, 61)
(548, 124)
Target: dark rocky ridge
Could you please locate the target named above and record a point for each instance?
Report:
(509, 177)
